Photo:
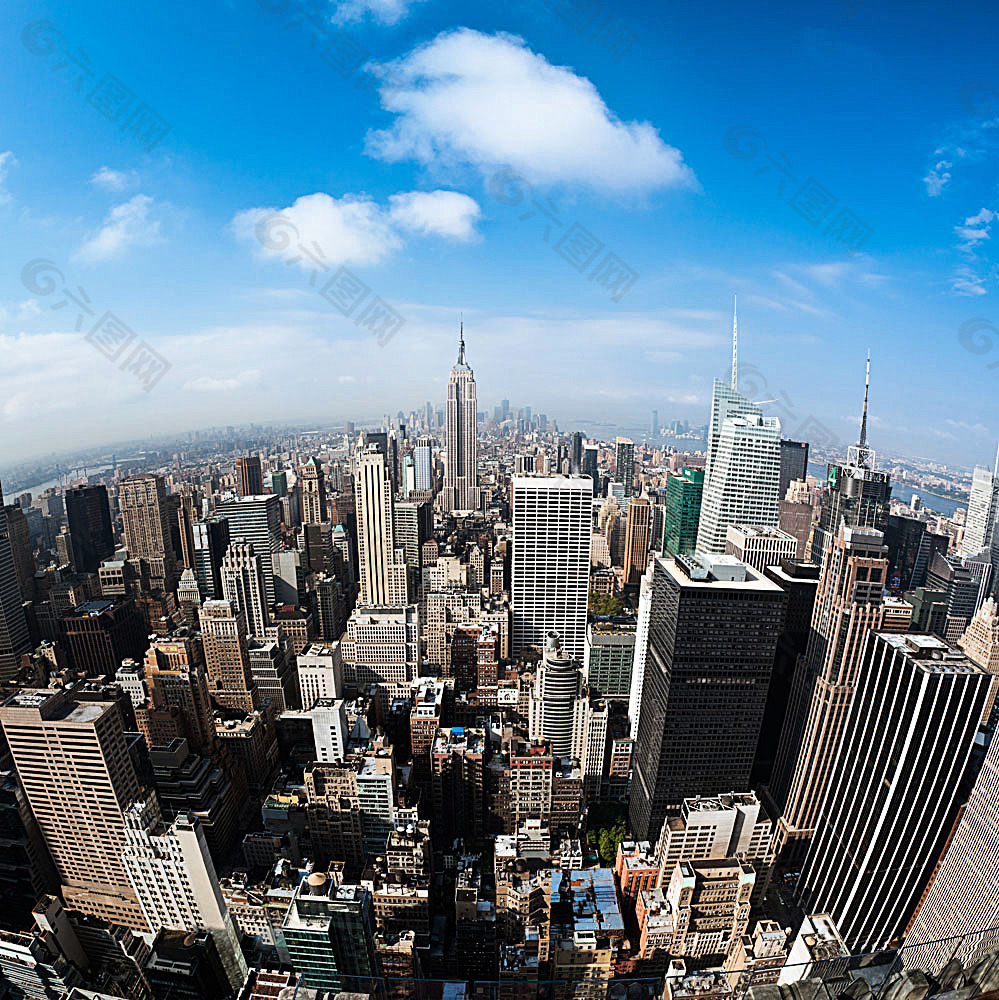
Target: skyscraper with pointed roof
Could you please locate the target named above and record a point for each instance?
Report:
(461, 490)
(742, 472)
(858, 493)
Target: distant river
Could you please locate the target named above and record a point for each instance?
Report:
(903, 492)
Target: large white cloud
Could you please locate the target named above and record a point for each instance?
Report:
(489, 101)
(354, 229)
(444, 213)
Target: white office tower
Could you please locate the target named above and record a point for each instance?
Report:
(742, 471)
(641, 648)
(381, 645)
(461, 490)
(718, 826)
(557, 708)
(551, 561)
(243, 585)
(330, 729)
(174, 878)
(983, 507)
(320, 673)
(890, 801)
(382, 565)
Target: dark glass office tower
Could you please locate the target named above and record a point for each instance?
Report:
(712, 638)
(89, 518)
(793, 464)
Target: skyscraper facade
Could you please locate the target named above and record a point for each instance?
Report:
(89, 519)
(78, 779)
(713, 632)
(742, 472)
(211, 540)
(249, 481)
(625, 464)
(983, 507)
(590, 466)
(682, 511)
(858, 493)
(423, 469)
(551, 561)
(227, 655)
(382, 565)
(638, 534)
(243, 586)
(146, 523)
(793, 464)
(15, 640)
(257, 520)
(849, 603)
(313, 486)
(461, 489)
(894, 784)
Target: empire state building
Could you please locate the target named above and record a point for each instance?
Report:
(461, 490)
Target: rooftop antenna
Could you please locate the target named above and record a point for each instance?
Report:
(735, 342)
(863, 421)
(461, 339)
(860, 455)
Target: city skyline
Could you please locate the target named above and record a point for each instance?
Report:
(646, 646)
(431, 225)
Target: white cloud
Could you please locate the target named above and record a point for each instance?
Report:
(489, 101)
(113, 180)
(967, 282)
(973, 275)
(7, 160)
(383, 11)
(351, 229)
(936, 180)
(444, 213)
(975, 229)
(209, 383)
(354, 229)
(345, 379)
(126, 225)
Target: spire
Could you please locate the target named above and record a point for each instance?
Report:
(735, 342)
(863, 420)
(461, 340)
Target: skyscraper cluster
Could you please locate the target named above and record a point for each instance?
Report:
(451, 705)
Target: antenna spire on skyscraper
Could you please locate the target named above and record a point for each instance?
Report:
(863, 420)
(461, 339)
(735, 342)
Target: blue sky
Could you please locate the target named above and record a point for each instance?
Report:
(589, 185)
